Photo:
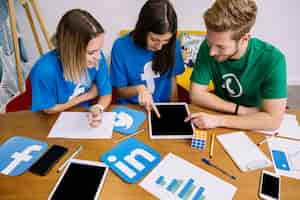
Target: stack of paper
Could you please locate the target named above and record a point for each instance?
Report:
(246, 155)
(289, 127)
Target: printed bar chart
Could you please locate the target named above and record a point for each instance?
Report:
(160, 181)
(198, 195)
(187, 189)
(174, 185)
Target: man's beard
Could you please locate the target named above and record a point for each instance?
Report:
(235, 52)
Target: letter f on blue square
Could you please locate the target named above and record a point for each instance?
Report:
(19, 153)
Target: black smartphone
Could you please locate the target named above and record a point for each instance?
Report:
(47, 161)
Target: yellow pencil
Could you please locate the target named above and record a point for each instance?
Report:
(212, 141)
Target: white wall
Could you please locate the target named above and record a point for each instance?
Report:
(276, 22)
(113, 15)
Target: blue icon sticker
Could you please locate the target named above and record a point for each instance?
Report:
(131, 159)
(19, 153)
(280, 160)
(127, 120)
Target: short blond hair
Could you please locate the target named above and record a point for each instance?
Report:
(74, 31)
(237, 16)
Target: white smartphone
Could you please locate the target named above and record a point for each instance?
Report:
(269, 186)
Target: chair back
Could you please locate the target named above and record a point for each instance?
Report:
(22, 101)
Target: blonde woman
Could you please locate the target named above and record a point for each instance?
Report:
(75, 72)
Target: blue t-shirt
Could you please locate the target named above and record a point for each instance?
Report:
(132, 65)
(50, 88)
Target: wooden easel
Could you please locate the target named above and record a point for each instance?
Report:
(13, 24)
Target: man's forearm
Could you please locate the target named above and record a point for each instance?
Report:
(255, 121)
(211, 101)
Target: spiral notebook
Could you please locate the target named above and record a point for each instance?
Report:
(246, 155)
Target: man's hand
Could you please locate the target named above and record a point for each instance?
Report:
(204, 121)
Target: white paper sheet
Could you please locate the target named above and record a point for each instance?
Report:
(291, 149)
(289, 127)
(170, 178)
(75, 125)
(242, 150)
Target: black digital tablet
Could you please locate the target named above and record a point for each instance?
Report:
(81, 179)
(171, 124)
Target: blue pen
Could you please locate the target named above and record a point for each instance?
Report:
(206, 161)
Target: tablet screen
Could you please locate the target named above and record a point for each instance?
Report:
(80, 181)
(171, 123)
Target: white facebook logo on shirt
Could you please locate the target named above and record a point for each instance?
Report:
(149, 75)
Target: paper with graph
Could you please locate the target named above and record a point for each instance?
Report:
(286, 156)
(175, 178)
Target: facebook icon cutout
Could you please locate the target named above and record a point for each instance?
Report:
(127, 120)
(131, 159)
(19, 153)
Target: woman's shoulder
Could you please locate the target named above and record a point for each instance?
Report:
(123, 42)
(50, 57)
(47, 64)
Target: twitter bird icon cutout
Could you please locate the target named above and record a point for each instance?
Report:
(127, 120)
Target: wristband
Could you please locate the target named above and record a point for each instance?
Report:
(236, 109)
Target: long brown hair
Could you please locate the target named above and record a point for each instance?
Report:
(159, 17)
(74, 31)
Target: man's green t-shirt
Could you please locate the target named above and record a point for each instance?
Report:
(259, 74)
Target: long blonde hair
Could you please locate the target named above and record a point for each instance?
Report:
(231, 15)
(74, 31)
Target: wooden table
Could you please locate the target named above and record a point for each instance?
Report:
(37, 125)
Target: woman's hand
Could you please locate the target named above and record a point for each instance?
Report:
(145, 98)
(95, 115)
